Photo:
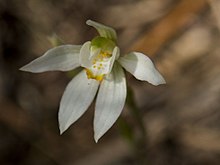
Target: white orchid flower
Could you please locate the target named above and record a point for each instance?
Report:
(102, 65)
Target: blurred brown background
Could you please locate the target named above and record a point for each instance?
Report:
(182, 118)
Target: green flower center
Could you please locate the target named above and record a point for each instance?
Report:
(102, 49)
(105, 44)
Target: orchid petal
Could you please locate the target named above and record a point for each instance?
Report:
(110, 101)
(141, 67)
(84, 56)
(76, 99)
(115, 55)
(61, 58)
(104, 31)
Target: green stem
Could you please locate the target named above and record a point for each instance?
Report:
(138, 143)
(136, 113)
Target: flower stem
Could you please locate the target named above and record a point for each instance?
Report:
(135, 112)
(136, 138)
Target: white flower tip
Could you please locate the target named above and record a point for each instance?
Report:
(93, 23)
(160, 81)
(96, 140)
(22, 68)
(97, 137)
(103, 30)
(32, 67)
(61, 130)
(89, 22)
(63, 126)
(27, 68)
(163, 81)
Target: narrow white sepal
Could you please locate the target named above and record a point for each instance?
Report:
(142, 68)
(104, 31)
(76, 99)
(61, 58)
(110, 101)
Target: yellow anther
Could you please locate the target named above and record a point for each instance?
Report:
(104, 55)
(99, 77)
(90, 75)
